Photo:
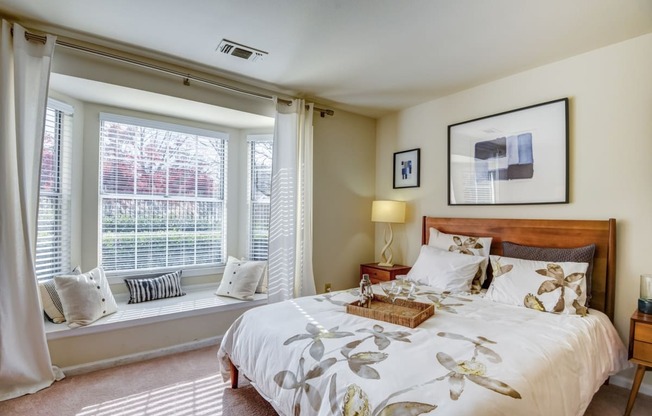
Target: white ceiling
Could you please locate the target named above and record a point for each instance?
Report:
(369, 56)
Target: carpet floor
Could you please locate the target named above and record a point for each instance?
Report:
(187, 384)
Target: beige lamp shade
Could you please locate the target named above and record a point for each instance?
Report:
(388, 211)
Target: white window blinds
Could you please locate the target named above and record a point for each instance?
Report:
(163, 194)
(53, 226)
(260, 183)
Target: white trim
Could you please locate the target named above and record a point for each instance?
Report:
(116, 118)
(260, 137)
(140, 356)
(61, 106)
(199, 300)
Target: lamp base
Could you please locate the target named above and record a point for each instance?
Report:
(645, 305)
(386, 264)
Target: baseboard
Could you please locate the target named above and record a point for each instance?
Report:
(626, 382)
(140, 356)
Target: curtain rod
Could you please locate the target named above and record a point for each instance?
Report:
(187, 77)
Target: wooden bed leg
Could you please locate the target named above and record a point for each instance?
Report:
(234, 375)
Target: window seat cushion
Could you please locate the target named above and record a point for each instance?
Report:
(200, 299)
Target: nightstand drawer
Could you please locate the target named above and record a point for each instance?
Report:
(643, 351)
(376, 275)
(643, 332)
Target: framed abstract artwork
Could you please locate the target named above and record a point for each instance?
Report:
(511, 158)
(406, 168)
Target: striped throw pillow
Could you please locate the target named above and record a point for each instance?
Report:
(51, 301)
(143, 289)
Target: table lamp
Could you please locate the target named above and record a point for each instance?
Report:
(388, 212)
(645, 298)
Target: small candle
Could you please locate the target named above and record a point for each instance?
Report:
(646, 286)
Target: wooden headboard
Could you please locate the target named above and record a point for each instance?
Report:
(547, 233)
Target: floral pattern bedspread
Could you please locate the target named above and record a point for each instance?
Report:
(307, 356)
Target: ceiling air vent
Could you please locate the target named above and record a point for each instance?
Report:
(241, 51)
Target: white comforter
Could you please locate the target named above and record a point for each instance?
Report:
(473, 357)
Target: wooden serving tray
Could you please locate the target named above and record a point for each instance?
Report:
(401, 312)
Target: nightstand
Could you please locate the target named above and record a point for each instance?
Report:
(379, 274)
(640, 351)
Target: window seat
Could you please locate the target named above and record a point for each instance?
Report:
(199, 300)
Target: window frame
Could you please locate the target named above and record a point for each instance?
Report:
(63, 132)
(252, 139)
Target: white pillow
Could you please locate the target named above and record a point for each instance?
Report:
(444, 270)
(85, 297)
(262, 284)
(475, 246)
(545, 286)
(50, 298)
(241, 278)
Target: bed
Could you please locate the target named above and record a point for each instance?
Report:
(307, 356)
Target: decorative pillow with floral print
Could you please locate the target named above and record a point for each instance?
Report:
(555, 254)
(475, 246)
(545, 286)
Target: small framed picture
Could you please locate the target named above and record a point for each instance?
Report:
(406, 168)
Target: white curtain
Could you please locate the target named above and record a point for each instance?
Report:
(290, 233)
(25, 365)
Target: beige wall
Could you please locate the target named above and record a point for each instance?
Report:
(344, 180)
(610, 91)
(115, 344)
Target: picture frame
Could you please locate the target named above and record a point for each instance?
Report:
(407, 166)
(516, 157)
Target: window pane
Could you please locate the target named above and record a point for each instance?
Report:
(118, 233)
(259, 231)
(162, 193)
(151, 244)
(210, 168)
(182, 163)
(209, 232)
(260, 181)
(151, 171)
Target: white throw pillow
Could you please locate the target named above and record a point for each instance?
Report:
(85, 297)
(558, 287)
(241, 278)
(50, 298)
(475, 246)
(262, 284)
(444, 270)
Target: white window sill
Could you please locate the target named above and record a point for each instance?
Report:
(199, 300)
